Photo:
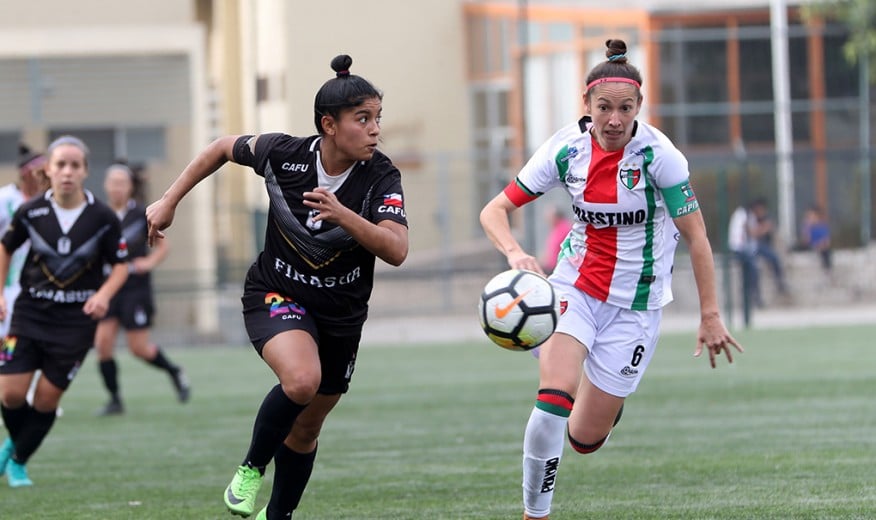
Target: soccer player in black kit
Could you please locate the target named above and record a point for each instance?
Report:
(336, 204)
(63, 293)
(132, 307)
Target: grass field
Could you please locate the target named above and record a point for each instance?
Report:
(787, 432)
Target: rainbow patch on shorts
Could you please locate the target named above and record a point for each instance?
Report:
(8, 348)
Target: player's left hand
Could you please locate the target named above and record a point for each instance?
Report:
(325, 202)
(714, 337)
(96, 306)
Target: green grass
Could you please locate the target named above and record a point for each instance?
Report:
(788, 431)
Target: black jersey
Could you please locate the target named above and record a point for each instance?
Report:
(62, 270)
(318, 264)
(135, 232)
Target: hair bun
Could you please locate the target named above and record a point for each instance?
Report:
(341, 65)
(616, 50)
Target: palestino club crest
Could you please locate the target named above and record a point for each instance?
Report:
(629, 178)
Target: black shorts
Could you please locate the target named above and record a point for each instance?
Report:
(133, 308)
(268, 314)
(59, 362)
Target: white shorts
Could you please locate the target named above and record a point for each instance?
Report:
(620, 341)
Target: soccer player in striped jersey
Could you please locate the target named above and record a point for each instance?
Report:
(631, 197)
(31, 181)
(336, 205)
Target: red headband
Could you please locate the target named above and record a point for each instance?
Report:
(606, 80)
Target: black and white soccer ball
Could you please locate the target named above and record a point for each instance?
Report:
(518, 309)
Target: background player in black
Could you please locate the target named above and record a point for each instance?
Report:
(132, 307)
(336, 204)
(63, 292)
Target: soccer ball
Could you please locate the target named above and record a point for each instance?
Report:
(518, 309)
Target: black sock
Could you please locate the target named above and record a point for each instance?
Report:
(15, 420)
(109, 372)
(32, 435)
(272, 425)
(159, 361)
(291, 473)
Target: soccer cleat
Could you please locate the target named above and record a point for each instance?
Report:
(6, 451)
(113, 407)
(16, 475)
(181, 384)
(263, 514)
(527, 517)
(240, 495)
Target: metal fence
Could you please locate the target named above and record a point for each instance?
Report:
(451, 258)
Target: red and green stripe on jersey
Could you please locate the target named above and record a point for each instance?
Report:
(597, 269)
(519, 194)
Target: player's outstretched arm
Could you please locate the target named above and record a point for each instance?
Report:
(159, 214)
(712, 333)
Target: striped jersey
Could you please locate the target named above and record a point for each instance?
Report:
(10, 199)
(622, 242)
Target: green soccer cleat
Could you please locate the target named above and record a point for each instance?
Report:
(263, 514)
(5, 454)
(16, 475)
(240, 495)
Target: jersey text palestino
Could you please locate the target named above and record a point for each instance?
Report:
(317, 264)
(622, 241)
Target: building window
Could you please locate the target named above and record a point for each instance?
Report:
(9, 147)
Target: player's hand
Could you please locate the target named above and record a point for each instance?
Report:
(713, 336)
(328, 206)
(2, 307)
(159, 216)
(523, 260)
(96, 306)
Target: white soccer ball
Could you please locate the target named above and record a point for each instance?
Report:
(518, 309)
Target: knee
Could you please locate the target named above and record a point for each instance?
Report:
(12, 396)
(300, 387)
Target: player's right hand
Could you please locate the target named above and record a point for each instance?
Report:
(522, 260)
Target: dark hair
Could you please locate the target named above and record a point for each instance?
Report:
(26, 155)
(343, 91)
(134, 172)
(616, 66)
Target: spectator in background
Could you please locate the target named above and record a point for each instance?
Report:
(744, 247)
(762, 228)
(560, 226)
(816, 236)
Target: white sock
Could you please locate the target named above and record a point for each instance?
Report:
(542, 449)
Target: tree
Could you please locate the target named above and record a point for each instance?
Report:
(860, 17)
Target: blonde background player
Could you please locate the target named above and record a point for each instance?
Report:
(628, 185)
(64, 291)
